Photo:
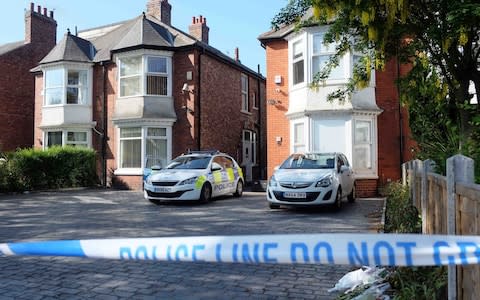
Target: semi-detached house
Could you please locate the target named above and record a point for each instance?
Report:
(17, 83)
(371, 129)
(141, 92)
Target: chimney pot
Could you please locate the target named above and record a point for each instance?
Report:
(193, 20)
(45, 11)
(201, 19)
(39, 9)
(51, 14)
(32, 6)
(237, 54)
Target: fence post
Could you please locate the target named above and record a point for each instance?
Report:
(404, 174)
(459, 169)
(416, 164)
(428, 166)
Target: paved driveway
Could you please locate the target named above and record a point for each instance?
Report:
(94, 214)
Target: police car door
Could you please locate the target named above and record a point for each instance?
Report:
(219, 174)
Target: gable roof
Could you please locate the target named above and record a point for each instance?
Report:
(10, 46)
(284, 30)
(97, 44)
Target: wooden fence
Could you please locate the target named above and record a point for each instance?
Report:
(449, 205)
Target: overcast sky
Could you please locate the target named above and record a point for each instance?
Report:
(233, 23)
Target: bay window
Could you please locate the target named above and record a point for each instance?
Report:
(363, 145)
(144, 147)
(144, 75)
(299, 138)
(65, 85)
(298, 63)
(321, 55)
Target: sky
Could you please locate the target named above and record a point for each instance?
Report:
(232, 23)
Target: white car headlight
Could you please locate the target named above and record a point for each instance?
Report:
(325, 182)
(189, 181)
(272, 182)
(148, 180)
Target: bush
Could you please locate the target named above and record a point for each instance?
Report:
(410, 282)
(57, 167)
(400, 215)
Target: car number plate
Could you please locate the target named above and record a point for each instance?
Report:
(296, 195)
(163, 190)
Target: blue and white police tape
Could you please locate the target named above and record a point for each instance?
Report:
(352, 249)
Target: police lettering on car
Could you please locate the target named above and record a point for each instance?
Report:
(198, 175)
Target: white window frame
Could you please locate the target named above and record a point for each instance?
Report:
(244, 93)
(294, 145)
(65, 68)
(345, 61)
(293, 60)
(143, 157)
(255, 100)
(371, 145)
(87, 143)
(145, 55)
(156, 74)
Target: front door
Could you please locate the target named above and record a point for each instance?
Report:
(249, 153)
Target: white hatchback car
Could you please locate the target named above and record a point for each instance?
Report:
(199, 175)
(312, 179)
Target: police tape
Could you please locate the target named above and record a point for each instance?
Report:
(343, 249)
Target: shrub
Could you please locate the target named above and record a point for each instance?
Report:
(410, 282)
(57, 167)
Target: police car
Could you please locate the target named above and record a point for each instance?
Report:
(199, 175)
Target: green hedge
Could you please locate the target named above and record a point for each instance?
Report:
(57, 167)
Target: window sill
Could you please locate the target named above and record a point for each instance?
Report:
(129, 172)
(246, 112)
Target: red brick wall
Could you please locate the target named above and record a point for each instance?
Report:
(221, 123)
(366, 188)
(17, 84)
(389, 147)
(277, 123)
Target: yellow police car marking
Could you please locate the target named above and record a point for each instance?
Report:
(200, 181)
(231, 175)
(217, 176)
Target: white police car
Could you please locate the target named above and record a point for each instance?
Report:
(199, 175)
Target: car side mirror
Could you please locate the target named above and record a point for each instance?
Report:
(343, 169)
(276, 168)
(156, 168)
(216, 169)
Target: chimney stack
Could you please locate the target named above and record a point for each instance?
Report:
(40, 26)
(199, 29)
(237, 55)
(161, 10)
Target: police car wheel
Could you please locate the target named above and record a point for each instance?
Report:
(239, 190)
(337, 205)
(206, 193)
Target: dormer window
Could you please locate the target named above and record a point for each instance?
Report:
(145, 75)
(64, 85)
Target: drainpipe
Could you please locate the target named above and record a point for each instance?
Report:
(198, 100)
(400, 118)
(105, 126)
(260, 136)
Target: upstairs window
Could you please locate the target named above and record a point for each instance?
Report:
(298, 63)
(66, 86)
(144, 75)
(244, 79)
(321, 55)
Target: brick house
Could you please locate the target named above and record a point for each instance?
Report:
(371, 129)
(141, 92)
(16, 82)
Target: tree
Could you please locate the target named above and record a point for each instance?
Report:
(438, 38)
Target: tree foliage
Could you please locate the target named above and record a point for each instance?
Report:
(438, 38)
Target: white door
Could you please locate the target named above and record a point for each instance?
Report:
(249, 154)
